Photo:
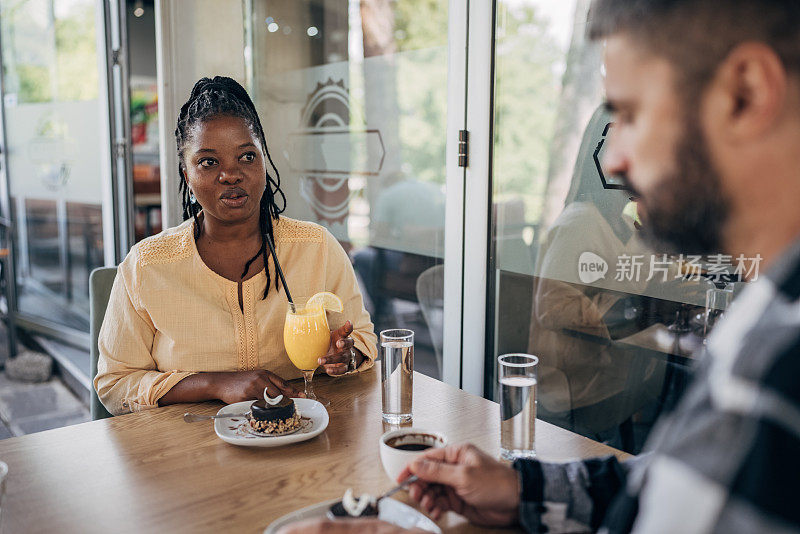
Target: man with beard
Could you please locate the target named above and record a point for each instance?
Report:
(706, 100)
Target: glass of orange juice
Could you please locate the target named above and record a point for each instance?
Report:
(307, 337)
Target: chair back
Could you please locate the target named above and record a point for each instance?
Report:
(100, 282)
(430, 295)
(515, 296)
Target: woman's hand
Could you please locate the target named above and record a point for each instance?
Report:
(338, 358)
(248, 385)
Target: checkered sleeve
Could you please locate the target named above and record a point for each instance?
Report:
(726, 461)
(735, 473)
(568, 497)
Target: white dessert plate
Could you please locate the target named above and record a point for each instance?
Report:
(389, 510)
(235, 431)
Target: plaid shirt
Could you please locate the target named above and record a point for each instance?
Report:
(726, 460)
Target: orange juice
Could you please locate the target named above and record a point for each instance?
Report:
(306, 336)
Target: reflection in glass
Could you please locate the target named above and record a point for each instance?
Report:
(592, 381)
(352, 95)
(54, 133)
(573, 282)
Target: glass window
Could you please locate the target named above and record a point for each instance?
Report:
(352, 96)
(616, 325)
(55, 131)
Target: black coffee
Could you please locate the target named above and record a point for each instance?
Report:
(412, 447)
(417, 444)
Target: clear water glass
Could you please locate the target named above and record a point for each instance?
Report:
(717, 301)
(517, 376)
(397, 375)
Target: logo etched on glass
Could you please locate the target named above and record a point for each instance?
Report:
(328, 150)
(591, 267)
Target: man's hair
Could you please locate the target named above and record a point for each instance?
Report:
(697, 35)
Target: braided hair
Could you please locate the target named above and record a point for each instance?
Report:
(212, 98)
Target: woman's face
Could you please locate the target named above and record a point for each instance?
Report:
(225, 169)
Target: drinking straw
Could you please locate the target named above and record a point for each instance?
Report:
(280, 273)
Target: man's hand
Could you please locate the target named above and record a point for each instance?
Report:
(342, 526)
(464, 480)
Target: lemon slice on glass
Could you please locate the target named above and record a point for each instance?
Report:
(327, 301)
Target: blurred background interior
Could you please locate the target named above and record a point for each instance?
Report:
(356, 98)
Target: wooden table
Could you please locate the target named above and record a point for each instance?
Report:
(151, 472)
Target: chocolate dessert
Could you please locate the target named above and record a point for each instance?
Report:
(338, 511)
(349, 506)
(280, 418)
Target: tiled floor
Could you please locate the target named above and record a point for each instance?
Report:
(26, 408)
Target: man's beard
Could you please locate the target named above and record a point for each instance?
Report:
(687, 210)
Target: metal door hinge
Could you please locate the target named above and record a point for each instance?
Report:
(463, 148)
(121, 147)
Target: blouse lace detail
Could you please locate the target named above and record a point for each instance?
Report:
(293, 230)
(166, 248)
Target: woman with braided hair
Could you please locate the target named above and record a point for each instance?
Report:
(196, 312)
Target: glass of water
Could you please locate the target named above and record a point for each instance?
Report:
(717, 301)
(517, 377)
(397, 375)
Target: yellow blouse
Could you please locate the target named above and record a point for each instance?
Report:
(170, 316)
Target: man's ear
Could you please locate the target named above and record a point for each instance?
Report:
(748, 93)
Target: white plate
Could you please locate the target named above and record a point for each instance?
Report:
(389, 510)
(315, 421)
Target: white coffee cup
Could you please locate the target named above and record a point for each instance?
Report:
(395, 459)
